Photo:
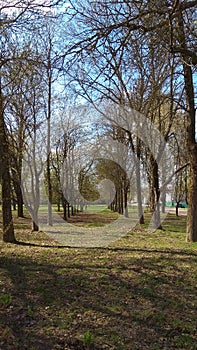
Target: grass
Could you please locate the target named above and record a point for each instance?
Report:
(93, 218)
(138, 293)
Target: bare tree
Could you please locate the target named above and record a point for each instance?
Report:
(12, 17)
(106, 32)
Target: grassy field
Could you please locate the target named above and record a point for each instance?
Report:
(138, 293)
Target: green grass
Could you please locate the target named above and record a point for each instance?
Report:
(5, 299)
(139, 293)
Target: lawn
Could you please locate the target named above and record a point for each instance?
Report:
(138, 293)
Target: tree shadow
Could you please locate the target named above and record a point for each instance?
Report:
(113, 249)
(52, 302)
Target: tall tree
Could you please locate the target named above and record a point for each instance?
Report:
(49, 39)
(18, 118)
(188, 54)
(106, 31)
(6, 44)
(12, 17)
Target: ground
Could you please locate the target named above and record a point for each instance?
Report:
(138, 293)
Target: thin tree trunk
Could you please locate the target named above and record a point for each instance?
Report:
(14, 203)
(163, 202)
(155, 193)
(68, 208)
(121, 202)
(139, 194)
(126, 213)
(50, 195)
(177, 208)
(19, 196)
(58, 206)
(49, 219)
(20, 205)
(163, 192)
(138, 183)
(64, 205)
(35, 208)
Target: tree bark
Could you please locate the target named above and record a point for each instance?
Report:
(138, 183)
(19, 195)
(58, 205)
(155, 192)
(192, 198)
(191, 141)
(35, 226)
(49, 185)
(64, 205)
(8, 227)
(177, 208)
(163, 202)
(126, 212)
(20, 204)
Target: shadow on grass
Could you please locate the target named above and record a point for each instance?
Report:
(119, 301)
(125, 304)
(113, 249)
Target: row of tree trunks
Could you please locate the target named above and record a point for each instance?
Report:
(69, 210)
(120, 202)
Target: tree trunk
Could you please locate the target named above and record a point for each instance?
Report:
(138, 183)
(126, 213)
(151, 197)
(14, 202)
(68, 209)
(19, 195)
(58, 206)
(177, 208)
(34, 216)
(192, 145)
(157, 217)
(139, 195)
(8, 227)
(121, 201)
(163, 201)
(49, 185)
(35, 227)
(155, 192)
(49, 219)
(64, 205)
(192, 198)
(20, 205)
(48, 172)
